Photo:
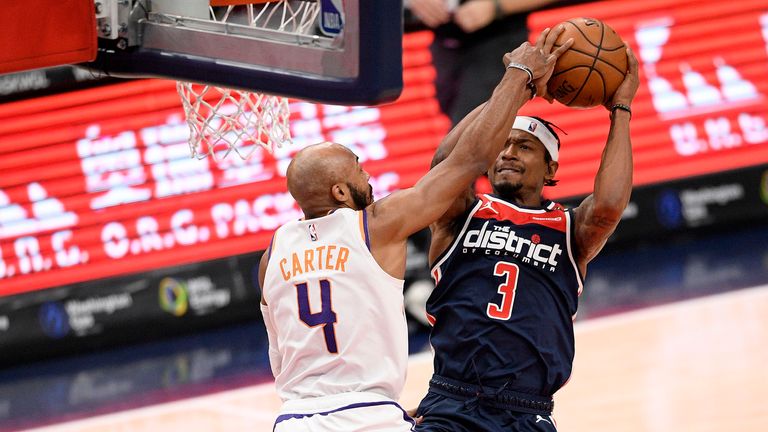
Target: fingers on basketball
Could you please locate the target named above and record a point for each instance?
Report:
(588, 72)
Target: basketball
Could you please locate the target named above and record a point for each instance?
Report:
(590, 71)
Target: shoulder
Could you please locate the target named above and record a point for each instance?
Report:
(349, 215)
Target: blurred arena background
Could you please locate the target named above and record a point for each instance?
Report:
(127, 270)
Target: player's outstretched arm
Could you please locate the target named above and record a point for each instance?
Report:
(407, 211)
(600, 213)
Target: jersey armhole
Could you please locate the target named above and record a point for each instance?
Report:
(363, 222)
(572, 233)
(573, 249)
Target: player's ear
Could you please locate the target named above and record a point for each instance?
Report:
(552, 167)
(340, 192)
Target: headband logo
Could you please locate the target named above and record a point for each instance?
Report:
(540, 131)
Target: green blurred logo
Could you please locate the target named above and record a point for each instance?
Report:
(173, 296)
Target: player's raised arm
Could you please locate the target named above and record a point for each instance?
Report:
(448, 143)
(600, 213)
(475, 145)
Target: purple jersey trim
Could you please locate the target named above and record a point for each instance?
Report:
(269, 248)
(365, 229)
(406, 417)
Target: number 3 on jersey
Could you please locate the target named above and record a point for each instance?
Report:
(326, 317)
(507, 289)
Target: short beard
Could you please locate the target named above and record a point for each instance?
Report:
(360, 198)
(507, 191)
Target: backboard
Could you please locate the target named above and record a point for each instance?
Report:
(332, 51)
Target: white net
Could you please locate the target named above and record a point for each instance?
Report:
(223, 121)
(292, 16)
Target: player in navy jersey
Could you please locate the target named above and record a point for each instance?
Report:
(509, 268)
(332, 282)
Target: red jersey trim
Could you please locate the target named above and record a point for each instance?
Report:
(553, 217)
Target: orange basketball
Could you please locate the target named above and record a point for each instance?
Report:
(590, 71)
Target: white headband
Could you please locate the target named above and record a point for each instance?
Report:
(537, 129)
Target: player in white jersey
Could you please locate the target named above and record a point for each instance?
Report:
(332, 282)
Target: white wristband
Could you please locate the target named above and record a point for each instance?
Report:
(513, 65)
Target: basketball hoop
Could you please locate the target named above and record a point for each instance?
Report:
(223, 120)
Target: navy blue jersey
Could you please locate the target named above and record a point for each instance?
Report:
(506, 295)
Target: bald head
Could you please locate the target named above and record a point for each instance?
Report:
(315, 170)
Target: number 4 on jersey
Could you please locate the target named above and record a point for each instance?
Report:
(507, 290)
(326, 317)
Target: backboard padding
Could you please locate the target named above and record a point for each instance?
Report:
(46, 33)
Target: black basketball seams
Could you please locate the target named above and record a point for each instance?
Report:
(576, 50)
(618, 69)
(569, 69)
(594, 61)
(586, 38)
(613, 49)
(585, 57)
(605, 88)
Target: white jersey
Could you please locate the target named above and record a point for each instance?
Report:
(335, 319)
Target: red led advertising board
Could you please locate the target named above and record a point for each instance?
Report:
(98, 183)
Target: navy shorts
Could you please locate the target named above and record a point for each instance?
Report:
(447, 414)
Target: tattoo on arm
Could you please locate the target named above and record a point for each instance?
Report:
(603, 222)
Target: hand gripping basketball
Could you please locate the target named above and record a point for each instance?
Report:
(539, 58)
(626, 91)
